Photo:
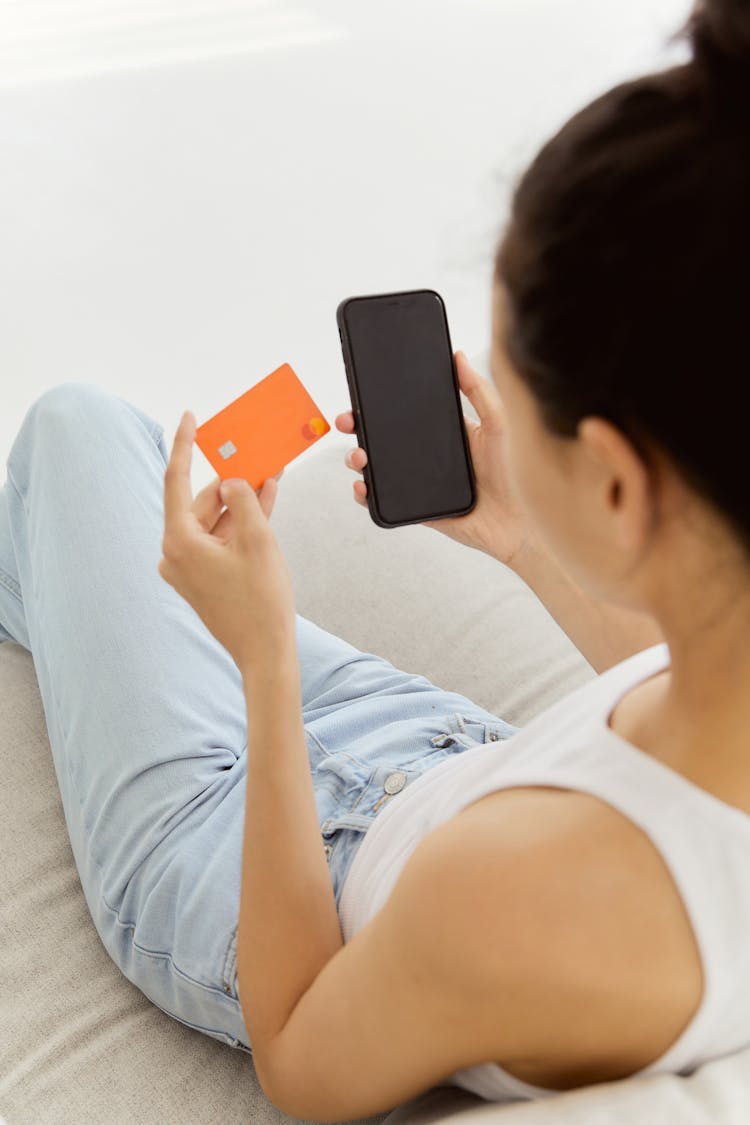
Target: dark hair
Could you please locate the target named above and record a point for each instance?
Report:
(626, 263)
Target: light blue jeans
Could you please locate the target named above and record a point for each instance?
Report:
(145, 709)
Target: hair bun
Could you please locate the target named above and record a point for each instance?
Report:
(720, 34)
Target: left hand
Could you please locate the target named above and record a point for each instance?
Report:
(227, 564)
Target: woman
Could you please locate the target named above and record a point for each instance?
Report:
(255, 804)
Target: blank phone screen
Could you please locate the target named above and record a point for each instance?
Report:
(411, 416)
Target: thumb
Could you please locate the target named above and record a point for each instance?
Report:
(240, 499)
(243, 501)
(481, 393)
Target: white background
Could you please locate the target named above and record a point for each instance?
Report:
(190, 187)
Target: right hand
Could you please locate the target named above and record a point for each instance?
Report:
(497, 524)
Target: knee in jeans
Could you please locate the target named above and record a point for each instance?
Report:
(77, 414)
(73, 412)
(69, 399)
(64, 414)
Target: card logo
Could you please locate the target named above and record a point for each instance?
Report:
(313, 429)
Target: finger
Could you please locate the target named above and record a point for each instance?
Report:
(178, 496)
(345, 422)
(267, 496)
(243, 504)
(360, 492)
(208, 504)
(480, 392)
(356, 458)
(222, 527)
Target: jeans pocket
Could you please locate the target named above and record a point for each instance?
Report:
(477, 728)
(364, 788)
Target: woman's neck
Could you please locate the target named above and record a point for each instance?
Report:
(699, 713)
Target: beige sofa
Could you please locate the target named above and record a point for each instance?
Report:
(78, 1042)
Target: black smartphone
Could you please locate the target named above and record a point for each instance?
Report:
(407, 409)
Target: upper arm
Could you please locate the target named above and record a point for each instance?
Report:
(527, 939)
(399, 1007)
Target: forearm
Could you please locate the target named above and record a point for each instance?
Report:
(603, 632)
(288, 927)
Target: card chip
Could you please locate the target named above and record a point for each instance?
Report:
(227, 449)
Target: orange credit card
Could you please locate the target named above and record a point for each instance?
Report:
(264, 429)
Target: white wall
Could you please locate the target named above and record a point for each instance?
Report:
(188, 189)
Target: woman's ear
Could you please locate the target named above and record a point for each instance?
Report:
(626, 488)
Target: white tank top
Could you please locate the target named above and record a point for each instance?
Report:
(704, 842)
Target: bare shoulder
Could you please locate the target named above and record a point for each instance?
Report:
(560, 912)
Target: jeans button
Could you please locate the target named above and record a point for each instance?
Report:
(395, 782)
(328, 848)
